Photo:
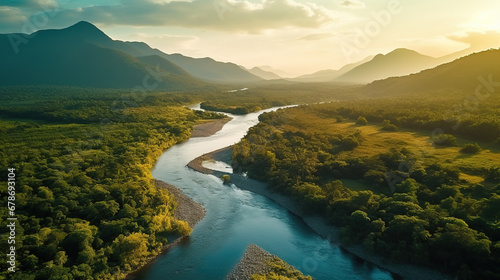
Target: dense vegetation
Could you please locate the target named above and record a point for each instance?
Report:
(86, 203)
(280, 270)
(273, 94)
(460, 115)
(389, 188)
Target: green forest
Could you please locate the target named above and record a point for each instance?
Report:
(411, 179)
(273, 94)
(415, 179)
(86, 203)
(280, 270)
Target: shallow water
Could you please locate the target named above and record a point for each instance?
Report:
(236, 218)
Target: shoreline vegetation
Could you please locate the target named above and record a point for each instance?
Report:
(315, 222)
(257, 261)
(187, 209)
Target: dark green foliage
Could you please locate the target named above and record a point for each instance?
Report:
(86, 203)
(263, 96)
(445, 140)
(387, 125)
(430, 217)
(280, 270)
(361, 121)
(430, 111)
(471, 148)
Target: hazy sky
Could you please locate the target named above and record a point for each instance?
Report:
(293, 35)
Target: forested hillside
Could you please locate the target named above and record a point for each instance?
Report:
(419, 195)
(477, 74)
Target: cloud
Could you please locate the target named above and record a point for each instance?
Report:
(352, 4)
(479, 40)
(317, 36)
(220, 15)
(10, 16)
(436, 46)
(34, 4)
(167, 41)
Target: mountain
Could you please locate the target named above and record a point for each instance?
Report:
(281, 73)
(210, 70)
(469, 73)
(206, 68)
(53, 47)
(74, 57)
(163, 64)
(266, 75)
(399, 62)
(329, 75)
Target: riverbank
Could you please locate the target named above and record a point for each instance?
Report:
(254, 261)
(187, 209)
(316, 223)
(258, 261)
(209, 128)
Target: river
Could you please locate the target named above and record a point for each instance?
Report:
(236, 218)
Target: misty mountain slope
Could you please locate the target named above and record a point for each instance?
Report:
(329, 75)
(399, 62)
(210, 70)
(164, 64)
(267, 75)
(464, 74)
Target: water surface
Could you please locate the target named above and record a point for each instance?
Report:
(236, 218)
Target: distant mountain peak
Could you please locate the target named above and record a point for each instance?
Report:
(403, 50)
(87, 30)
(399, 62)
(400, 52)
(83, 24)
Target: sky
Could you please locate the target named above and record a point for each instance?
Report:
(295, 36)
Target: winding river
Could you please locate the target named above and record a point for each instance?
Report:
(236, 218)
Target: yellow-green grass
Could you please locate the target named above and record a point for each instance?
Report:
(357, 185)
(377, 141)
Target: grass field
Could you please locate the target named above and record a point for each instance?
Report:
(376, 141)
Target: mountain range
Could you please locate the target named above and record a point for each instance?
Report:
(477, 73)
(330, 75)
(399, 62)
(83, 55)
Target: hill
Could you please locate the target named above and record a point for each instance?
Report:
(211, 70)
(464, 74)
(163, 64)
(266, 75)
(399, 62)
(329, 75)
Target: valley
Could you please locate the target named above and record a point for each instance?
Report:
(398, 153)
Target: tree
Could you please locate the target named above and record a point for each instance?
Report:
(226, 179)
(387, 125)
(131, 249)
(360, 221)
(456, 244)
(361, 121)
(445, 140)
(471, 148)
